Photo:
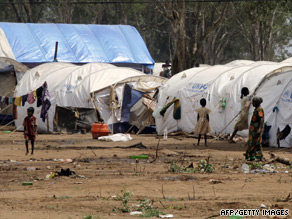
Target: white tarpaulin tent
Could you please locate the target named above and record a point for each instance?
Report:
(224, 82)
(124, 101)
(70, 85)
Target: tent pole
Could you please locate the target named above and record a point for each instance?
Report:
(7, 124)
(48, 127)
(130, 128)
(112, 118)
(56, 52)
(95, 105)
(57, 117)
(6, 107)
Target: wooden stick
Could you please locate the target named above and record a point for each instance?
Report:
(213, 216)
(156, 154)
(6, 107)
(93, 153)
(162, 192)
(7, 124)
(214, 192)
(162, 204)
(15, 129)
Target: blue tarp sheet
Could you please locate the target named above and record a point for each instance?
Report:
(131, 97)
(77, 43)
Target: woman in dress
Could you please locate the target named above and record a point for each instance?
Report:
(254, 146)
(242, 122)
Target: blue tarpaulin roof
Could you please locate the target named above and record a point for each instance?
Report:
(77, 43)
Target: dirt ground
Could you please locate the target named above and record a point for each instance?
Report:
(105, 172)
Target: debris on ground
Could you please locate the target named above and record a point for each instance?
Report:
(138, 145)
(65, 172)
(136, 213)
(27, 183)
(180, 178)
(244, 168)
(166, 216)
(276, 158)
(116, 137)
(51, 175)
(215, 181)
(259, 168)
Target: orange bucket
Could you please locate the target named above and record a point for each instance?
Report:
(99, 129)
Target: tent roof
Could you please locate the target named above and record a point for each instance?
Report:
(18, 67)
(77, 43)
(4, 67)
(289, 60)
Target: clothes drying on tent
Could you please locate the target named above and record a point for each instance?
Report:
(176, 108)
(46, 103)
(10, 73)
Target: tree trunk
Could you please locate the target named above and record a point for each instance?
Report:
(178, 39)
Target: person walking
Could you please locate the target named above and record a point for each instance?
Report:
(256, 128)
(242, 122)
(30, 129)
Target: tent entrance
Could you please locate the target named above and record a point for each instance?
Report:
(73, 119)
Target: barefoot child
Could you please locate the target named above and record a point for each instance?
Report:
(202, 126)
(30, 129)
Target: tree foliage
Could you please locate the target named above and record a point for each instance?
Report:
(183, 32)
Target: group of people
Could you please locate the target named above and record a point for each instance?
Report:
(256, 128)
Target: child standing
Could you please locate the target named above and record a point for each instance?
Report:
(30, 129)
(202, 126)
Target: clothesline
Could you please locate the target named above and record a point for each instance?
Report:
(41, 95)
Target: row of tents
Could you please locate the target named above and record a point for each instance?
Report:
(123, 96)
(100, 76)
(221, 86)
(117, 94)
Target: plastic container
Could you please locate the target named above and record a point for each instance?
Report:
(99, 129)
(27, 183)
(156, 112)
(245, 168)
(143, 156)
(165, 132)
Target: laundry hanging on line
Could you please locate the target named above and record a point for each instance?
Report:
(176, 109)
(41, 95)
